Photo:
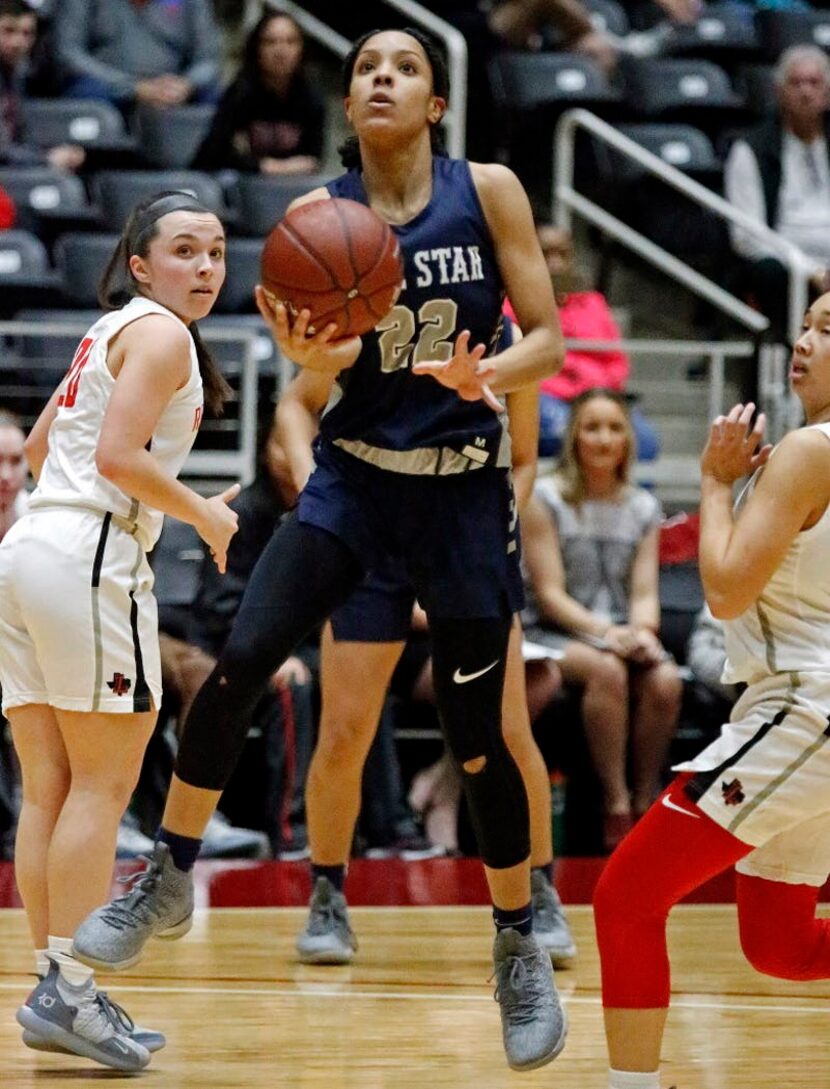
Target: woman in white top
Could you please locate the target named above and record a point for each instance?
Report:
(758, 796)
(590, 540)
(79, 658)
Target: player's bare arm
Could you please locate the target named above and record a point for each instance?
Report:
(507, 211)
(36, 446)
(738, 555)
(523, 409)
(152, 359)
(297, 416)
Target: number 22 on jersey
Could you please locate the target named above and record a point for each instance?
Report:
(73, 377)
(400, 347)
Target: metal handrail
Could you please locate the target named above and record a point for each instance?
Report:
(455, 119)
(715, 352)
(239, 464)
(566, 199)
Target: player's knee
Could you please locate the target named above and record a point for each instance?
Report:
(769, 952)
(610, 674)
(345, 739)
(474, 766)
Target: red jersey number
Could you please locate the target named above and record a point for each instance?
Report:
(73, 378)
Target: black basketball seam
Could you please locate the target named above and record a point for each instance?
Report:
(381, 251)
(313, 253)
(348, 235)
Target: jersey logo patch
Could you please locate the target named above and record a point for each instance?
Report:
(733, 793)
(120, 684)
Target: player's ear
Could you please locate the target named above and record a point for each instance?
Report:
(347, 107)
(139, 269)
(437, 109)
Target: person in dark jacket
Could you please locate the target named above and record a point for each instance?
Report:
(779, 173)
(270, 119)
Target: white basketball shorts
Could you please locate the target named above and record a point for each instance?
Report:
(78, 620)
(766, 779)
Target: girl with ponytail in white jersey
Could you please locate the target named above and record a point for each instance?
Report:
(79, 656)
(758, 797)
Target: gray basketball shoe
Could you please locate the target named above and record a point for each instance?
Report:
(73, 1017)
(122, 1022)
(327, 938)
(549, 923)
(159, 905)
(533, 1022)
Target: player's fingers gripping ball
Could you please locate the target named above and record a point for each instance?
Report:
(339, 260)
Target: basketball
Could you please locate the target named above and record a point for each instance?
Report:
(336, 258)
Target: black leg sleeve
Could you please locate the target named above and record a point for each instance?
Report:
(469, 658)
(302, 575)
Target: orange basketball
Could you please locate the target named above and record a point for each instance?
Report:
(336, 258)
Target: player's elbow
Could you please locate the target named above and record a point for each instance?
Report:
(110, 462)
(725, 606)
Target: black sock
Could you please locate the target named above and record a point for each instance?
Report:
(336, 875)
(520, 919)
(547, 870)
(183, 849)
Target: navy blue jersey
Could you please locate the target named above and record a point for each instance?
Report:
(380, 410)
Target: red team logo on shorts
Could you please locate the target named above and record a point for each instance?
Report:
(733, 793)
(120, 684)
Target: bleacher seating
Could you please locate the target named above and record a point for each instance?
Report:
(45, 197)
(118, 191)
(260, 200)
(170, 138)
(778, 30)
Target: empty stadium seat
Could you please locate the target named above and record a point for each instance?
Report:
(261, 201)
(242, 256)
(608, 15)
(523, 81)
(25, 272)
(81, 259)
(683, 89)
(723, 32)
(53, 121)
(117, 191)
(170, 138)
(42, 194)
(778, 30)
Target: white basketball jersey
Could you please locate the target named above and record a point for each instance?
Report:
(788, 627)
(69, 477)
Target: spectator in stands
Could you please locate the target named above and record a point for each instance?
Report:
(779, 173)
(270, 120)
(706, 656)
(590, 540)
(18, 30)
(147, 52)
(13, 471)
(583, 314)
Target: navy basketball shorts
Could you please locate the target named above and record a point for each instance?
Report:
(453, 538)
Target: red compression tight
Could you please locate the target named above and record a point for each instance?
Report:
(780, 934)
(669, 854)
(672, 850)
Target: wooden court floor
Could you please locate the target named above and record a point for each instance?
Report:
(415, 1009)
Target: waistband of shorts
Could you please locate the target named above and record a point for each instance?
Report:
(124, 524)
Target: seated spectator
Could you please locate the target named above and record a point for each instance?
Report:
(146, 52)
(583, 314)
(13, 503)
(18, 30)
(14, 470)
(590, 540)
(270, 119)
(779, 173)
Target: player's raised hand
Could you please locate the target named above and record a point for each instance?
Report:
(735, 446)
(466, 372)
(315, 349)
(218, 524)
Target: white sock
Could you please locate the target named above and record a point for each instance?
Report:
(60, 950)
(41, 963)
(632, 1079)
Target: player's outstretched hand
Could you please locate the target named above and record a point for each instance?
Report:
(735, 446)
(218, 525)
(318, 351)
(467, 373)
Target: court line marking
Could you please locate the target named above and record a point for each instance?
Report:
(409, 996)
